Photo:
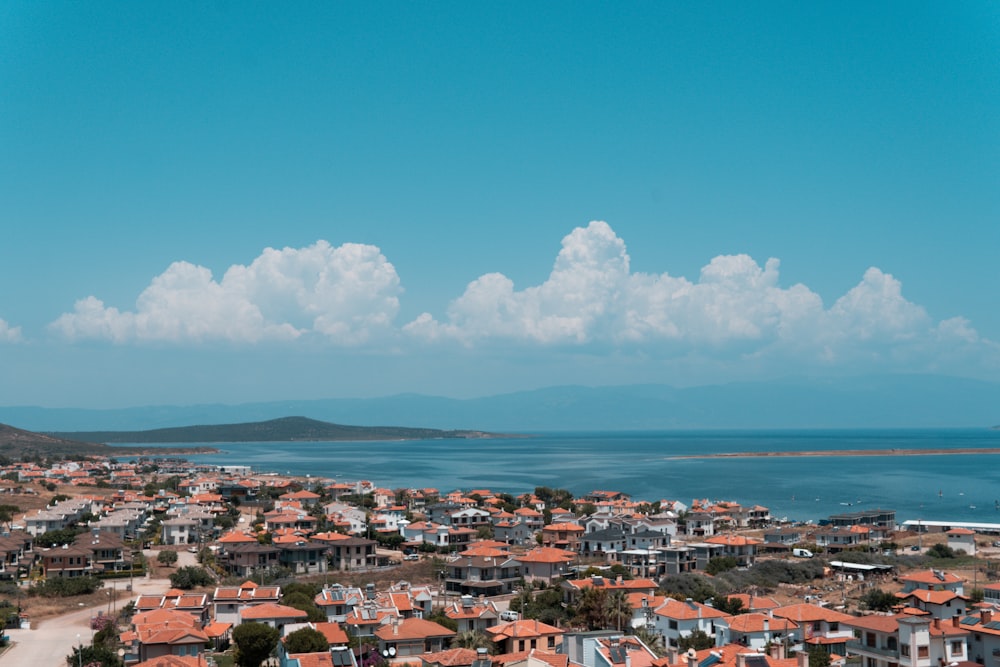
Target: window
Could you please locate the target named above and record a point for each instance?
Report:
(904, 650)
(957, 648)
(672, 624)
(923, 651)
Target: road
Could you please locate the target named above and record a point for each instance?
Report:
(54, 638)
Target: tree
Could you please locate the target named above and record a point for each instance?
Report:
(652, 639)
(473, 639)
(721, 564)
(167, 558)
(940, 551)
(729, 605)
(306, 640)
(590, 607)
(697, 640)
(254, 643)
(878, 600)
(617, 611)
(301, 601)
(818, 657)
(189, 577)
(101, 656)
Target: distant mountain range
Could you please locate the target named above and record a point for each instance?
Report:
(882, 401)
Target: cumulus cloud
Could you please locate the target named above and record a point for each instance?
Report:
(591, 296)
(9, 334)
(347, 294)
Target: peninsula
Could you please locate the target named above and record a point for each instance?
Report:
(285, 429)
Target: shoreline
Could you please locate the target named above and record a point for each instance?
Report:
(841, 453)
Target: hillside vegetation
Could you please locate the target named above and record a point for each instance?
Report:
(16, 444)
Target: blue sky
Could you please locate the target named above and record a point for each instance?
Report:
(225, 202)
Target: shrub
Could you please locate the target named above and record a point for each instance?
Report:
(57, 587)
(189, 577)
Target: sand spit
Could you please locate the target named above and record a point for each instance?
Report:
(844, 452)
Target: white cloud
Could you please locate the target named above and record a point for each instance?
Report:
(347, 294)
(736, 307)
(9, 334)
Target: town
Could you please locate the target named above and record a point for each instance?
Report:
(162, 563)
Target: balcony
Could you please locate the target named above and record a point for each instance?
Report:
(860, 648)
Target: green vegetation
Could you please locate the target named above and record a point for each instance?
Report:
(473, 640)
(100, 656)
(697, 640)
(878, 600)
(57, 587)
(544, 605)
(167, 558)
(188, 577)
(306, 640)
(254, 643)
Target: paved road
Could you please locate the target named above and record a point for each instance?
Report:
(48, 644)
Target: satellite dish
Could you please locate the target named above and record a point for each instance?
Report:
(385, 653)
(121, 653)
(392, 651)
(692, 654)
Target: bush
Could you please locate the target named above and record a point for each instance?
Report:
(58, 587)
(189, 577)
(101, 656)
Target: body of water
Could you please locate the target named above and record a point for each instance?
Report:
(962, 487)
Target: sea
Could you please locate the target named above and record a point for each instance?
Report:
(645, 465)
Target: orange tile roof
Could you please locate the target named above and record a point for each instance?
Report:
(546, 555)
(454, 657)
(756, 622)
(412, 628)
(174, 661)
(810, 613)
(323, 659)
(687, 610)
(929, 577)
(333, 632)
(271, 610)
(522, 629)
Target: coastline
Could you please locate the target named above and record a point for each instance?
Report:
(840, 452)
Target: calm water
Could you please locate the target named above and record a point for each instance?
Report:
(933, 487)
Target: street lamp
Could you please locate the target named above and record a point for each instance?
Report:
(79, 649)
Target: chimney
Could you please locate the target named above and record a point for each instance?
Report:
(692, 658)
(741, 660)
(673, 655)
(937, 623)
(778, 650)
(986, 615)
(956, 620)
(803, 657)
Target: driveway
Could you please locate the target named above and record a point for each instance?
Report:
(49, 642)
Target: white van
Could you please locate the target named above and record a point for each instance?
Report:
(509, 615)
(802, 553)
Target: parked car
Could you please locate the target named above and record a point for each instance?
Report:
(411, 557)
(915, 548)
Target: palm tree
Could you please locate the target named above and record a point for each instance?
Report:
(590, 607)
(472, 639)
(617, 611)
(652, 639)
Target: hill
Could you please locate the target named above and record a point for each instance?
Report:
(16, 443)
(285, 429)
